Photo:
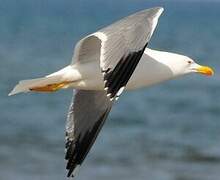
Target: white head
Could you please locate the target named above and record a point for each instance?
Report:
(179, 64)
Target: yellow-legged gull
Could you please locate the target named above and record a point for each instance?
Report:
(104, 64)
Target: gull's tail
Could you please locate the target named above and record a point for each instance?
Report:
(50, 83)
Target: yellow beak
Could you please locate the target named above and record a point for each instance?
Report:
(208, 71)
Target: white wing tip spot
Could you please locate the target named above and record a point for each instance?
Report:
(120, 91)
(155, 20)
(159, 13)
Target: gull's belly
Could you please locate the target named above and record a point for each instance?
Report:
(148, 72)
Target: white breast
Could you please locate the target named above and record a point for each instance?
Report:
(149, 71)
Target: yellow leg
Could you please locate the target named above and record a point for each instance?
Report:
(50, 87)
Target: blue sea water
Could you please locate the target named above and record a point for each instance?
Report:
(167, 132)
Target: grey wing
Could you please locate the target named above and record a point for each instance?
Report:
(123, 46)
(119, 47)
(87, 114)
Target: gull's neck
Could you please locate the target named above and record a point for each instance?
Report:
(155, 67)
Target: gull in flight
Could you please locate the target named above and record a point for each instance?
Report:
(105, 63)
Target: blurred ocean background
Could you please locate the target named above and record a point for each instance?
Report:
(167, 132)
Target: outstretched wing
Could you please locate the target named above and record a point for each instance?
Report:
(119, 47)
(123, 45)
(87, 114)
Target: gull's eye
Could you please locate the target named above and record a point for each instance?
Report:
(189, 62)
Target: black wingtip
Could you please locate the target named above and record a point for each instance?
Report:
(70, 168)
(116, 79)
(73, 170)
(87, 125)
(69, 174)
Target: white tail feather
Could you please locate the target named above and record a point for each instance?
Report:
(26, 85)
